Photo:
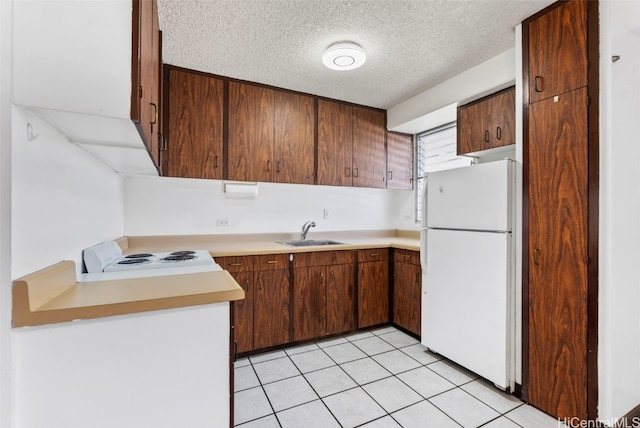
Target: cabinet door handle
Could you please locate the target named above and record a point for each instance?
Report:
(374, 254)
(270, 262)
(278, 166)
(347, 171)
(486, 136)
(355, 172)
(499, 133)
(536, 257)
(155, 114)
(407, 257)
(215, 161)
(235, 264)
(390, 175)
(269, 166)
(538, 84)
(321, 277)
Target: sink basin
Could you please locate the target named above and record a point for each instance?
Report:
(310, 243)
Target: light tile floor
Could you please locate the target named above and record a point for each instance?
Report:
(375, 379)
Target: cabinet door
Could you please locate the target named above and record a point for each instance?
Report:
(309, 307)
(334, 143)
(146, 90)
(558, 51)
(271, 308)
(399, 161)
(373, 293)
(407, 296)
(251, 122)
(558, 252)
(154, 147)
(294, 138)
(341, 299)
(503, 115)
(473, 133)
(243, 313)
(368, 148)
(194, 146)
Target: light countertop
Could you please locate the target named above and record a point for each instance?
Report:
(54, 294)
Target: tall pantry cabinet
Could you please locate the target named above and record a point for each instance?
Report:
(560, 208)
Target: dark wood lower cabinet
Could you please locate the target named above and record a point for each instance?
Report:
(271, 308)
(407, 290)
(261, 320)
(373, 287)
(323, 294)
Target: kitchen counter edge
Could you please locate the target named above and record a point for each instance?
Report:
(53, 295)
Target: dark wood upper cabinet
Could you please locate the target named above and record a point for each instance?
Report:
(399, 161)
(195, 125)
(294, 140)
(351, 149)
(335, 132)
(487, 123)
(145, 74)
(368, 148)
(271, 135)
(558, 57)
(251, 124)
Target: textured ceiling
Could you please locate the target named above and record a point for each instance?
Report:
(412, 45)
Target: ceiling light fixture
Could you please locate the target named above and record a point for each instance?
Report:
(344, 56)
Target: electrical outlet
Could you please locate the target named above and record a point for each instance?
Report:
(222, 222)
(407, 218)
(325, 214)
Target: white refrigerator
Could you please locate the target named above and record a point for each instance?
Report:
(467, 252)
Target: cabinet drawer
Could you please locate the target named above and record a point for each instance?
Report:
(323, 258)
(373, 255)
(406, 256)
(236, 263)
(271, 262)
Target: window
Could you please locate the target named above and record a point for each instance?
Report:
(436, 150)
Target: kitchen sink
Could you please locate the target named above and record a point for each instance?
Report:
(310, 242)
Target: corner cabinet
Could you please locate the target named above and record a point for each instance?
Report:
(261, 320)
(324, 301)
(487, 123)
(407, 290)
(271, 135)
(194, 125)
(399, 161)
(373, 287)
(351, 145)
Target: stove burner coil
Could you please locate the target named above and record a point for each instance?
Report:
(178, 258)
(182, 253)
(133, 261)
(138, 256)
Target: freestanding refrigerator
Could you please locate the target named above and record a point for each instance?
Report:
(468, 269)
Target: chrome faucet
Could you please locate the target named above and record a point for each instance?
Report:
(305, 229)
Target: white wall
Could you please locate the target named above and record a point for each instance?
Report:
(63, 199)
(437, 105)
(619, 323)
(6, 398)
(160, 369)
(168, 206)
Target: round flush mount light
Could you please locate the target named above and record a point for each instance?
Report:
(344, 56)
